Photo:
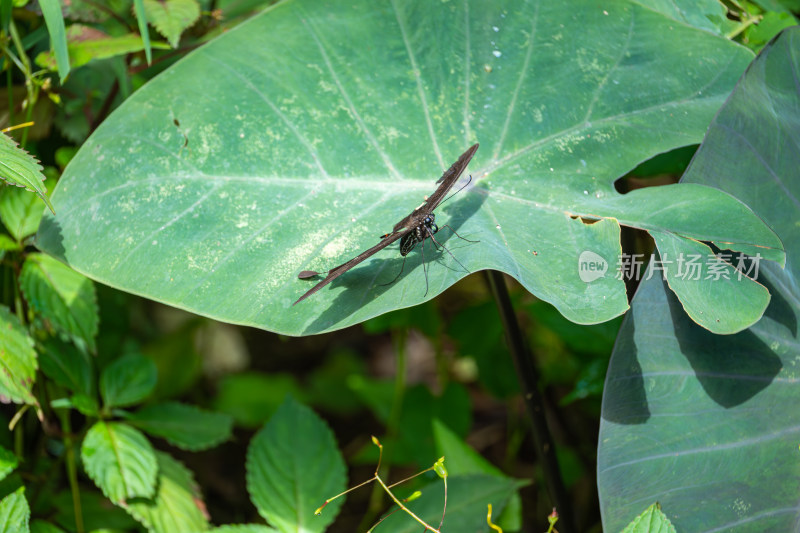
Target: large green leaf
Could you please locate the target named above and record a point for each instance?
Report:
(120, 461)
(17, 360)
(293, 466)
(323, 124)
(707, 425)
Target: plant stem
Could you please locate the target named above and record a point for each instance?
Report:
(72, 470)
(406, 509)
(28, 72)
(399, 338)
(10, 89)
(526, 371)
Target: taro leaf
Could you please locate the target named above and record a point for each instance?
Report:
(708, 425)
(120, 460)
(61, 296)
(184, 426)
(17, 360)
(19, 168)
(705, 14)
(293, 466)
(177, 504)
(295, 140)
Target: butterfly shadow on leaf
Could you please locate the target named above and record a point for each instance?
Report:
(369, 281)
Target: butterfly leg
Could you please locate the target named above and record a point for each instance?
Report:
(456, 234)
(398, 274)
(448, 251)
(424, 269)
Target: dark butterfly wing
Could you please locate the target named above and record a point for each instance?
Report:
(413, 220)
(446, 182)
(341, 269)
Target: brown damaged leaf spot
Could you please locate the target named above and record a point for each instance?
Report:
(585, 220)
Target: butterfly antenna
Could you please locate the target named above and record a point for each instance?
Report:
(459, 190)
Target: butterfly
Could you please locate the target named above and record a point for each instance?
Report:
(413, 229)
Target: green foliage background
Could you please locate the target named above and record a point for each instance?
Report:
(292, 139)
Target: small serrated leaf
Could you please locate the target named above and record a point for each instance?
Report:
(128, 380)
(8, 462)
(14, 512)
(177, 504)
(19, 168)
(244, 528)
(7, 244)
(61, 296)
(67, 366)
(652, 520)
(120, 460)
(184, 426)
(311, 470)
(21, 211)
(172, 17)
(17, 360)
(41, 526)
(99, 516)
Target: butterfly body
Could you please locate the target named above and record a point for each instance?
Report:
(418, 234)
(413, 229)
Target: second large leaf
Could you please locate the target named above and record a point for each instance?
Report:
(294, 141)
